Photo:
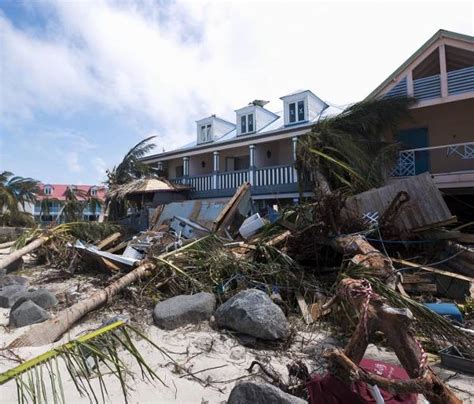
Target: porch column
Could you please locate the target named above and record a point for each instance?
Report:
(294, 143)
(252, 164)
(215, 171)
(443, 76)
(159, 166)
(185, 169)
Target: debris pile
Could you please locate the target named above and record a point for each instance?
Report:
(386, 266)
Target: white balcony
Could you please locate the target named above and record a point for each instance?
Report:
(452, 165)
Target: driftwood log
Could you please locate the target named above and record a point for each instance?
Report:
(395, 324)
(17, 254)
(51, 330)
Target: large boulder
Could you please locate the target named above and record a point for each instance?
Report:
(8, 280)
(10, 294)
(42, 297)
(253, 313)
(28, 313)
(184, 309)
(260, 393)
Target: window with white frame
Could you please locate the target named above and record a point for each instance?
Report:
(93, 191)
(247, 123)
(47, 191)
(206, 133)
(296, 112)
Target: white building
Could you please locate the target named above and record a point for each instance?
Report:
(258, 147)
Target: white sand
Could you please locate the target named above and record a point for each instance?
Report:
(194, 347)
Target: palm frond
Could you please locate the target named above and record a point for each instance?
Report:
(90, 356)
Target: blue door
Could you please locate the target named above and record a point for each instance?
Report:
(415, 139)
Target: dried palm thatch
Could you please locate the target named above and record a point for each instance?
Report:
(93, 355)
(141, 185)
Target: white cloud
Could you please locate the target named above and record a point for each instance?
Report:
(72, 161)
(177, 62)
(100, 166)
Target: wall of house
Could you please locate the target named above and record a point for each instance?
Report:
(447, 124)
(171, 167)
(201, 164)
(280, 153)
(235, 152)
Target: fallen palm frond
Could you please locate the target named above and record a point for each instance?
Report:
(427, 323)
(348, 150)
(55, 239)
(208, 264)
(90, 356)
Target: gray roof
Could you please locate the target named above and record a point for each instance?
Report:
(274, 127)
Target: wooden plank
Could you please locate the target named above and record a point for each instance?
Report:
(421, 287)
(231, 206)
(304, 308)
(415, 278)
(278, 239)
(434, 270)
(108, 240)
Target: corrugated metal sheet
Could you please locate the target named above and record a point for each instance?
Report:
(199, 211)
(425, 208)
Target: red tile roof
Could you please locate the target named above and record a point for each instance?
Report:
(58, 191)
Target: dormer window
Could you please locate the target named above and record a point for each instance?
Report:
(206, 133)
(296, 112)
(47, 190)
(93, 191)
(247, 123)
(211, 128)
(302, 106)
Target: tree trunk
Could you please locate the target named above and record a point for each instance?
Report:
(51, 330)
(7, 244)
(395, 325)
(366, 255)
(10, 258)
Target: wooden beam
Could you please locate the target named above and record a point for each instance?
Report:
(434, 270)
(304, 308)
(108, 240)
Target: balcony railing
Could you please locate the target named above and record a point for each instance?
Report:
(456, 157)
(259, 177)
(278, 175)
(459, 81)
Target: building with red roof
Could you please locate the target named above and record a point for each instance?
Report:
(52, 197)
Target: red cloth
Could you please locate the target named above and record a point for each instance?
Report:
(330, 390)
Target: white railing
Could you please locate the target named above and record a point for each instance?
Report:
(259, 177)
(279, 175)
(232, 179)
(407, 159)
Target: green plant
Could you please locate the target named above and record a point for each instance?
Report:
(93, 355)
(348, 149)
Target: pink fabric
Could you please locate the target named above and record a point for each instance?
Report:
(330, 390)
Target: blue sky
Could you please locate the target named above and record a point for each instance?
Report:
(81, 81)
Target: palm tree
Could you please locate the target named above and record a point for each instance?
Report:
(15, 193)
(348, 150)
(129, 169)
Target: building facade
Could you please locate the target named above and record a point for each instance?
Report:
(52, 198)
(439, 135)
(258, 147)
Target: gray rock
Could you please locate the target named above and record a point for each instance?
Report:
(28, 313)
(253, 393)
(184, 309)
(8, 280)
(253, 313)
(10, 294)
(42, 297)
